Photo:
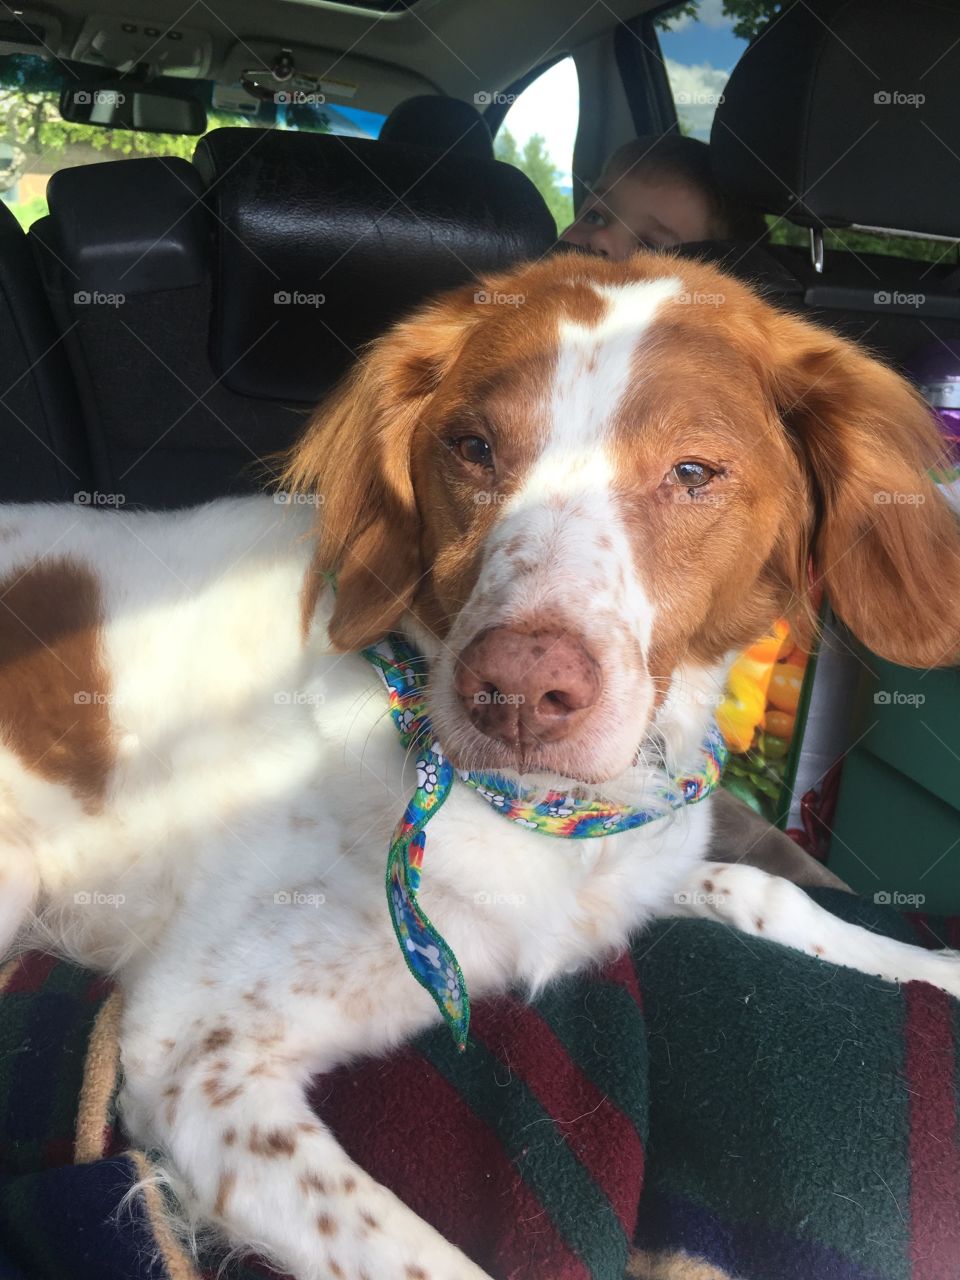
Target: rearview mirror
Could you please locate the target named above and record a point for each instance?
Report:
(124, 104)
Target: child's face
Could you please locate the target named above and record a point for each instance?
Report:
(630, 213)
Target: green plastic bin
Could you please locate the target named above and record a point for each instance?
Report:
(897, 825)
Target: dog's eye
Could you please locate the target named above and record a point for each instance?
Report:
(692, 475)
(474, 449)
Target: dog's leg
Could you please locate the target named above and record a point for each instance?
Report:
(228, 1107)
(770, 907)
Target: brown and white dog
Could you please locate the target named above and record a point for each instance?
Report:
(586, 496)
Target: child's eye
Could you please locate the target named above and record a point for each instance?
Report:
(594, 218)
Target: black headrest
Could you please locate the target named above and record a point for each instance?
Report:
(106, 249)
(845, 111)
(444, 124)
(323, 241)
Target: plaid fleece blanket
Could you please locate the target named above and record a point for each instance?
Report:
(708, 1107)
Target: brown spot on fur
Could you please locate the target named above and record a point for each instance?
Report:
(415, 1273)
(54, 688)
(172, 1091)
(818, 951)
(335, 1268)
(370, 1220)
(349, 1184)
(274, 1142)
(219, 1097)
(313, 1182)
(759, 924)
(217, 1039)
(229, 1137)
(168, 1046)
(326, 1225)
(357, 1005)
(708, 886)
(224, 1188)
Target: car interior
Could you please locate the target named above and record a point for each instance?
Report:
(302, 173)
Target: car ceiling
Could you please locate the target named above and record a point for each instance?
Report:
(459, 47)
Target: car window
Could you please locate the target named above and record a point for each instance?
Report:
(35, 141)
(701, 43)
(538, 133)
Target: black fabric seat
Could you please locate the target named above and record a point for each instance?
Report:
(43, 455)
(206, 307)
(126, 256)
(440, 123)
(818, 125)
(324, 241)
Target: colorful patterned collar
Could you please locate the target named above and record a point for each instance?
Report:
(428, 957)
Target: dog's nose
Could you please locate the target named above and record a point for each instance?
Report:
(526, 688)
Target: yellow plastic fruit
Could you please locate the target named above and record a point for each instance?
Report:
(748, 688)
(785, 685)
(780, 723)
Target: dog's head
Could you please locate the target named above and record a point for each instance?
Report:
(588, 481)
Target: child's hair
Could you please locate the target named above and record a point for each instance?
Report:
(682, 159)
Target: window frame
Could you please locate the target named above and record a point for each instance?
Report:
(643, 72)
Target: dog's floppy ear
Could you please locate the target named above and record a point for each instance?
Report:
(883, 542)
(355, 458)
